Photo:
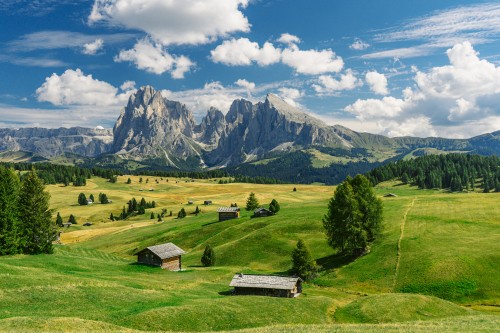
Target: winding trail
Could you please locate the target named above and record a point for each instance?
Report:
(402, 230)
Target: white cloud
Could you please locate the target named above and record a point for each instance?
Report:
(329, 85)
(288, 39)
(245, 84)
(174, 21)
(73, 87)
(291, 96)
(452, 100)
(359, 45)
(93, 47)
(155, 59)
(243, 52)
(377, 82)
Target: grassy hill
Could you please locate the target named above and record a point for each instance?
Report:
(442, 245)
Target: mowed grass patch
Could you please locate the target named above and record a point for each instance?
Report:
(450, 248)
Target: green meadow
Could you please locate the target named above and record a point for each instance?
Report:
(433, 269)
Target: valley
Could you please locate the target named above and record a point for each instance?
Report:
(446, 279)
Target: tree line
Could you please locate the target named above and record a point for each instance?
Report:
(451, 171)
(25, 220)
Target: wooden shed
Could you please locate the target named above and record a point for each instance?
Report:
(167, 256)
(266, 285)
(262, 212)
(228, 213)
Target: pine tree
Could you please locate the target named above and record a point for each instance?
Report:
(103, 199)
(152, 216)
(72, 219)
(37, 228)
(274, 206)
(82, 199)
(111, 217)
(182, 213)
(143, 203)
(197, 210)
(252, 202)
(208, 258)
(369, 205)
(59, 220)
(91, 197)
(129, 181)
(302, 263)
(9, 217)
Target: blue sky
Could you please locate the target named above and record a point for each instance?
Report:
(422, 68)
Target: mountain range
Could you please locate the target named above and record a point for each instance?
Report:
(154, 131)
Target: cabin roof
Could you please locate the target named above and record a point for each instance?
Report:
(264, 281)
(165, 251)
(228, 209)
(261, 209)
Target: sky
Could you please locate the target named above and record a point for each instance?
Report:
(392, 67)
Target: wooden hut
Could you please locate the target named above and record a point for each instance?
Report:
(167, 256)
(262, 212)
(207, 202)
(266, 285)
(228, 213)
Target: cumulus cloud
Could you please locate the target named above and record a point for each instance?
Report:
(460, 95)
(359, 45)
(288, 39)
(377, 82)
(326, 84)
(291, 95)
(155, 59)
(174, 21)
(93, 47)
(73, 87)
(243, 52)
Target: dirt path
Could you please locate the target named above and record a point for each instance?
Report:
(402, 228)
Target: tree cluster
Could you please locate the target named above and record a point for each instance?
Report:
(25, 220)
(354, 216)
(455, 172)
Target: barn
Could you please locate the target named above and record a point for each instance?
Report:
(266, 285)
(167, 256)
(228, 213)
(262, 212)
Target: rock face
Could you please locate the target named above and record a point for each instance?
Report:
(49, 143)
(151, 126)
(211, 128)
(253, 130)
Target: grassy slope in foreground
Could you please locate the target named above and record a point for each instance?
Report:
(94, 278)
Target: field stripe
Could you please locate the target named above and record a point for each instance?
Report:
(402, 230)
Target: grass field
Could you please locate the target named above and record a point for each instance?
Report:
(434, 269)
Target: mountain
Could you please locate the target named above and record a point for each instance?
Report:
(269, 138)
(152, 127)
(49, 143)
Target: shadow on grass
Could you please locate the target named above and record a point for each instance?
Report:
(210, 223)
(226, 293)
(336, 260)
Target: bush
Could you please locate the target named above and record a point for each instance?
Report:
(208, 258)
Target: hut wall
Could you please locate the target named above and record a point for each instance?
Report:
(148, 258)
(262, 292)
(223, 216)
(172, 264)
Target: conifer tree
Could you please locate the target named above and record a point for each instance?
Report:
(252, 202)
(59, 220)
(208, 258)
(152, 216)
(129, 181)
(302, 263)
(182, 213)
(9, 217)
(82, 199)
(72, 219)
(111, 217)
(91, 197)
(37, 228)
(274, 206)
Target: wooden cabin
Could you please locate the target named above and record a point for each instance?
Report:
(262, 212)
(228, 213)
(266, 285)
(167, 256)
(207, 202)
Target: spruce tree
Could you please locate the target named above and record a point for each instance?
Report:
(82, 200)
(274, 206)
(72, 219)
(208, 258)
(302, 263)
(37, 228)
(59, 220)
(9, 217)
(111, 217)
(182, 213)
(369, 205)
(252, 202)
(129, 181)
(91, 197)
(152, 216)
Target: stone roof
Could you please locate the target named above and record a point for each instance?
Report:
(261, 209)
(228, 209)
(165, 251)
(264, 281)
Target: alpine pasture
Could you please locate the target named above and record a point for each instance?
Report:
(433, 269)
